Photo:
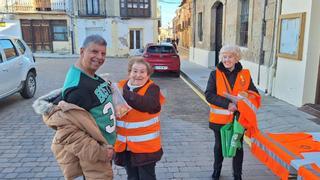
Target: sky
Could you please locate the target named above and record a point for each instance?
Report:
(168, 9)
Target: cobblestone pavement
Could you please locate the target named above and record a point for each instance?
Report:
(187, 142)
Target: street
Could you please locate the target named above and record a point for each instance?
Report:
(187, 141)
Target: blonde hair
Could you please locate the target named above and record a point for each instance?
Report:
(234, 49)
(139, 60)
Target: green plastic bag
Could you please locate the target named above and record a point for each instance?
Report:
(230, 137)
(226, 134)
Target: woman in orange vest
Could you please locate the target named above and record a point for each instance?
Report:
(138, 145)
(229, 77)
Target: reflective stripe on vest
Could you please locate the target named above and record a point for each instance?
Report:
(273, 155)
(133, 125)
(252, 106)
(309, 168)
(220, 111)
(140, 138)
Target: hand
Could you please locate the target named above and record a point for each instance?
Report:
(232, 107)
(110, 153)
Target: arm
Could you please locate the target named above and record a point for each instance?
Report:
(252, 87)
(211, 93)
(148, 103)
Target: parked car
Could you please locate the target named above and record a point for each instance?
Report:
(163, 58)
(17, 68)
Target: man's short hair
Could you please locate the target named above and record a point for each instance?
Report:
(96, 39)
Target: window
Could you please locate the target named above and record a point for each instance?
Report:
(135, 39)
(244, 16)
(21, 47)
(200, 31)
(8, 48)
(93, 7)
(160, 49)
(59, 30)
(135, 8)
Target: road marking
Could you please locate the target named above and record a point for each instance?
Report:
(195, 90)
(245, 138)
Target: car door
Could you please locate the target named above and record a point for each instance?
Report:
(13, 65)
(3, 74)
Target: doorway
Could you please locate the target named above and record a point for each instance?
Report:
(37, 34)
(216, 29)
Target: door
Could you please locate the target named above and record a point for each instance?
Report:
(3, 74)
(42, 35)
(27, 34)
(219, 21)
(216, 30)
(12, 66)
(37, 34)
(135, 41)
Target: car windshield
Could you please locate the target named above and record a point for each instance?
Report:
(160, 49)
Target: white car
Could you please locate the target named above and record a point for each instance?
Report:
(17, 68)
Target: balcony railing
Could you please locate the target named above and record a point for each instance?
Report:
(13, 6)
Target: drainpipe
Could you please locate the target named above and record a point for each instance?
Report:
(263, 33)
(71, 15)
(194, 27)
(273, 67)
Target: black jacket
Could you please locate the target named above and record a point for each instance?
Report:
(211, 91)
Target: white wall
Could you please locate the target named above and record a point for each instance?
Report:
(85, 27)
(294, 77)
(313, 55)
(12, 28)
(115, 31)
(61, 46)
(202, 57)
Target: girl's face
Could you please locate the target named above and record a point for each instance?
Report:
(229, 60)
(138, 75)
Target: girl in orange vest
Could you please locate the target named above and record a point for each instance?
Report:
(229, 77)
(138, 145)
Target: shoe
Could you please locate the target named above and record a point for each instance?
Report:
(216, 174)
(237, 177)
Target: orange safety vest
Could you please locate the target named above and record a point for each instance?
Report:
(140, 131)
(220, 115)
(310, 171)
(282, 153)
(248, 105)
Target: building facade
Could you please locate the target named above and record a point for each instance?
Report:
(42, 24)
(127, 25)
(256, 26)
(182, 24)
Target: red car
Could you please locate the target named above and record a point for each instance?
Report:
(163, 58)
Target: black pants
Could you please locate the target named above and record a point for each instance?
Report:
(218, 157)
(145, 172)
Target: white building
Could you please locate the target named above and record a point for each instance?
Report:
(62, 25)
(126, 25)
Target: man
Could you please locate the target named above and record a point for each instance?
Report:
(84, 117)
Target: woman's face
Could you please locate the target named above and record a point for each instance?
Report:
(138, 75)
(229, 60)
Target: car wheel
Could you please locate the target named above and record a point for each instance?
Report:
(29, 86)
(177, 74)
